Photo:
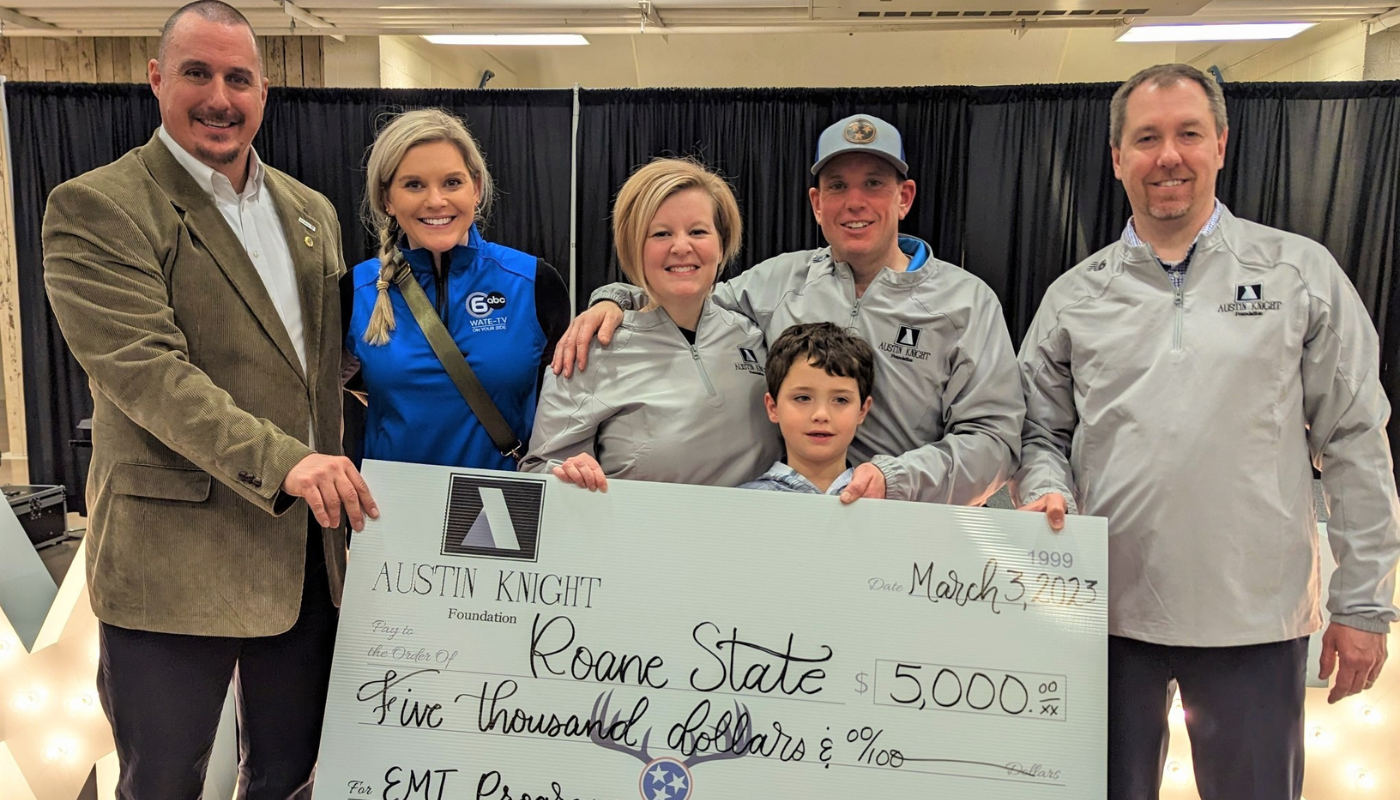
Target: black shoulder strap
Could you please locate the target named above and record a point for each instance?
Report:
(456, 364)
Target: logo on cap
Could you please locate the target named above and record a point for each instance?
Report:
(860, 131)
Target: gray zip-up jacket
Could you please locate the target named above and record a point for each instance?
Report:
(653, 407)
(1192, 419)
(945, 424)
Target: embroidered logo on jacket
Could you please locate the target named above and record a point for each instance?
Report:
(1249, 301)
(905, 346)
(482, 306)
(749, 362)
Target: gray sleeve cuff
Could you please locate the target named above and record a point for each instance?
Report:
(617, 293)
(1070, 506)
(1360, 623)
(896, 477)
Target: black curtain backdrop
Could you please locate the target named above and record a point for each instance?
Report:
(1015, 183)
(764, 141)
(319, 136)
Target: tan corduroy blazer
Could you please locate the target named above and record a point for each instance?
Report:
(200, 404)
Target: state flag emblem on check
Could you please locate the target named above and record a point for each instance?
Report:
(493, 518)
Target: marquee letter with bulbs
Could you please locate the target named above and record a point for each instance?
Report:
(55, 743)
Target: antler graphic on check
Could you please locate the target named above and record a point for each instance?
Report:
(666, 776)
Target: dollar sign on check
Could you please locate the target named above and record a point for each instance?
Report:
(860, 679)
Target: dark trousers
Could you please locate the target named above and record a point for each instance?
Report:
(1244, 716)
(164, 694)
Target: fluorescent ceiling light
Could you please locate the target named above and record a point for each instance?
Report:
(1214, 33)
(497, 39)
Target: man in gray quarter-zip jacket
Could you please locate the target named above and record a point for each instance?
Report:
(945, 425)
(1183, 382)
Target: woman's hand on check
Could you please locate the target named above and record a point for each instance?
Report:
(582, 470)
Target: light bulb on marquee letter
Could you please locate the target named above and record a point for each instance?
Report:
(1365, 780)
(79, 703)
(31, 700)
(59, 749)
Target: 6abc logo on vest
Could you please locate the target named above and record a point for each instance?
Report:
(481, 305)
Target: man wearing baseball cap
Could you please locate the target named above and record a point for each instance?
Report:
(946, 421)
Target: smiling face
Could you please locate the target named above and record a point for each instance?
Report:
(433, 197)
(680, 259)
(858, 202)
(1169, 155)
(211, 92)
(817, 412)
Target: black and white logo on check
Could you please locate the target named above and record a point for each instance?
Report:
(908, 337)
(493, 517)
(1249, 292)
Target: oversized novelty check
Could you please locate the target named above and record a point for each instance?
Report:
(509, 637)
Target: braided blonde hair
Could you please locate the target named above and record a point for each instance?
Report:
(403, 133)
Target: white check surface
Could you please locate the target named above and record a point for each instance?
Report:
(745, 645)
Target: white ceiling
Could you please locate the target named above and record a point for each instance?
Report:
(666, 17)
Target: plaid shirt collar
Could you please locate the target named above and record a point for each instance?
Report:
(1175, 272)
(1131, 239)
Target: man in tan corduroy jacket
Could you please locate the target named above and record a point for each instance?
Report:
(198, 289)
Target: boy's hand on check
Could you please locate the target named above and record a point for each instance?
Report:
(1053, 506)
(583, 470)
(868, 481)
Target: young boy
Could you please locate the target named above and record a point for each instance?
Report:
(819, 380)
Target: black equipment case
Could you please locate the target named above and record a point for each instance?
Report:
(42, 511)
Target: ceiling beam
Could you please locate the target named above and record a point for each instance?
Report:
(305, 17)
(1386, 21)
(13, 17)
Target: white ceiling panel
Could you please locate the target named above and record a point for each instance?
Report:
(368, 17)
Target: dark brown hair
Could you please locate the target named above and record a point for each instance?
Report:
(826, 347)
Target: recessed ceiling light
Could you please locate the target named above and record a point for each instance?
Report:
(497, 39)
(1214, 33)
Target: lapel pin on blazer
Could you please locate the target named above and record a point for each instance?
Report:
(310, 227)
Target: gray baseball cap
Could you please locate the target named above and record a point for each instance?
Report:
(861, 133)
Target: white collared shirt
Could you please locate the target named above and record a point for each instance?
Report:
(253, 217)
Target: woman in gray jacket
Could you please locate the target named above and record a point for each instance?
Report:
(678, 394)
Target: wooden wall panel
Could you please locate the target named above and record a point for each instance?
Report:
(19, 57)
(273, 63)
(87, 60)
(121, 62)
(291, 60)
(102, 56)
(48, 68)
(287, 60)
(313, 60)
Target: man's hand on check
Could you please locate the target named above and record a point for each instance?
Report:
(602, 319)
(1358, 656)
(582, 470)
(1053, 506)
(328, 482)
(868, 481)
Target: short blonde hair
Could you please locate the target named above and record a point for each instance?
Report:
(403, 133)
(642, 195)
